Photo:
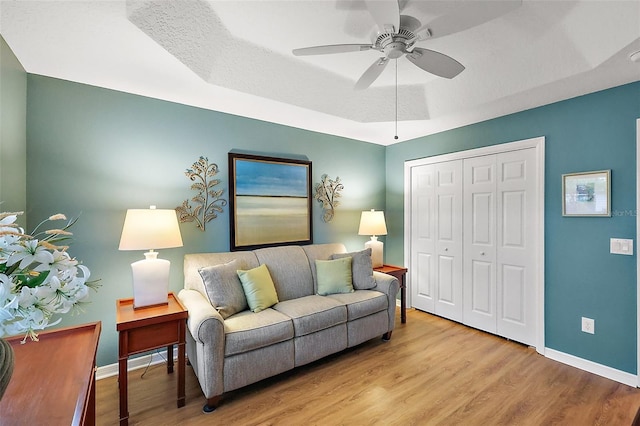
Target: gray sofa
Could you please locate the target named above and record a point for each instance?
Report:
(245, 347)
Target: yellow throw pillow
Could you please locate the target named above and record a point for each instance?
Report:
(258, 288)
(334, 276)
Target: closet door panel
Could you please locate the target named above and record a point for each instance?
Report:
(513, 292)
(482, 293)
(479, 274)
(446, 273)
(448, 192)
(517, 245)
(423, 238)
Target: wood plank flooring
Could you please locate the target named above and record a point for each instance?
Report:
(432, 372)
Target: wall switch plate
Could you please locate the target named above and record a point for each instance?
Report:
(588, 325)
(621, 246)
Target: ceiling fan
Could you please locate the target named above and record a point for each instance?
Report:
(396, 37)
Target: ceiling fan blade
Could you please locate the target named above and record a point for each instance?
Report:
(435, 62)
(328, 49)
(371, 73)
(386, 13)
(410, 23)
(459, 16)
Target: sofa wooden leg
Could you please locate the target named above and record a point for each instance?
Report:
(212, 404)
(387, 336)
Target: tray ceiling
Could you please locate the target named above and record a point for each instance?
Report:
(235, 57)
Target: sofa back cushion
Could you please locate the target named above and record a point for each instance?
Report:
(290, 271)
(194, 262)
(321, 252)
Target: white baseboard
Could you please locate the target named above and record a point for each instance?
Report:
(132, 364)
(593, 367)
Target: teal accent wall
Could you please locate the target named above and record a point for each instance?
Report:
(13, 135)
(591, 132)
(99, 152)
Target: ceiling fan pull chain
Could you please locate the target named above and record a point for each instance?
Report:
(396, 136)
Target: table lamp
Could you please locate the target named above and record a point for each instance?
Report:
(150, 229)
(372, 223)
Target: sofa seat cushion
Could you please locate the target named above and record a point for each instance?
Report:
(246, 330)
(313, 313)
(362, 302)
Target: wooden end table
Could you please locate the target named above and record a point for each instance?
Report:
(400, 273)
(145, 329)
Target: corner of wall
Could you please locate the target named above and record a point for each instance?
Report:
(13, 131)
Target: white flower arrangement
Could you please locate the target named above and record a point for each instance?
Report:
(38, 278)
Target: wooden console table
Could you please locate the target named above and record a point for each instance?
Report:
(53, 380)
(400, 273)
(145, 329)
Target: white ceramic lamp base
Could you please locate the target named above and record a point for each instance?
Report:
(377, 250)
(150, 281)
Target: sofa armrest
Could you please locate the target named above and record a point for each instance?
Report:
(200, 312)
(388, 285)
(206, 329)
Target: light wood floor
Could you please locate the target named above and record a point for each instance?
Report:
(432, 372)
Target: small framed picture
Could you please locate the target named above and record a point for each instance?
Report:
(587, 194)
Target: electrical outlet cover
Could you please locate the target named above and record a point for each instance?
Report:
(588, 325)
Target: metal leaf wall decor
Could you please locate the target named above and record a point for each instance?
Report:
(208, 201)
(327, 193)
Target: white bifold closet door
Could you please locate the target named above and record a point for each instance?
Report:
(499, 272)
(437, 243)
(472, 251)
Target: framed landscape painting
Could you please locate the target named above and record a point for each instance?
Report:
(586, 194)
(270, 201)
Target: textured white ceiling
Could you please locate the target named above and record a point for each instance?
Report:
(235, 56)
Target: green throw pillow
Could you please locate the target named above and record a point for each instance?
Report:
(362, 269)
(258, 288)
(334, 276)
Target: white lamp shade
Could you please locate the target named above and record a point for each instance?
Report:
(372, 223)
(146, 229)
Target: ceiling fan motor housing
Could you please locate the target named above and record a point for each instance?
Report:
(394, 45)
